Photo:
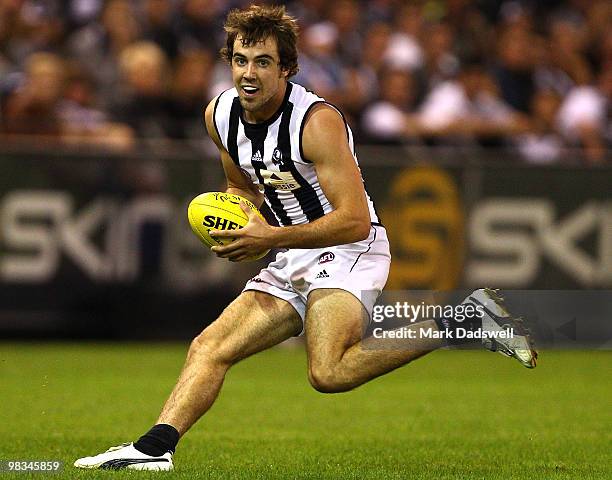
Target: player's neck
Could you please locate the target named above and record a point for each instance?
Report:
(268, 109)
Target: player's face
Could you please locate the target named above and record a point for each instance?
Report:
(259, 78)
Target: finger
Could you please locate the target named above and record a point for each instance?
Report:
(248, 210)
(239, 256)
(224, 250)
(229, 256)
(245, 208)
(220, 251)
(225, 233)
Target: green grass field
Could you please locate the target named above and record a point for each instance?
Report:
(448, 415)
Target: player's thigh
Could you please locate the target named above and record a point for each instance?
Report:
(334, 322)
(253, 322)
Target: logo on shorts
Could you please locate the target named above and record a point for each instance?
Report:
(322, 274)
(256, 280)
(326, 257)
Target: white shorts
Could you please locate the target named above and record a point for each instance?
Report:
(360, 268)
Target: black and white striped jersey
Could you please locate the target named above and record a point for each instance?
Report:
(271, 154)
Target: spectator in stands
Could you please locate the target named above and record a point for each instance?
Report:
(324, 71)
(158, 26)
(189, 91)
(97, 46)
(33, 107)
(542, 143)
(27, 27)
(82, 122)
(81, 12)
(309, 12)
(51, 101)
(345, 16)
(584, 117)
(404, 49)
(144, 107)
(548, 75)
(386, 120)
(376, 40)
(379, 11)
(514, 70)
(77, 109)
(473, 36)
(321, 69)
(468, 108)
(201, 24)
(440, 63)
(568, 43)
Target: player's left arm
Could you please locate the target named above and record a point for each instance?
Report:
(325, 143)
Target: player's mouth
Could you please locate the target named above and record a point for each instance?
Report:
(249, 90)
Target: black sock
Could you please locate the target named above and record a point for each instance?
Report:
(160, 439)
(451, 326)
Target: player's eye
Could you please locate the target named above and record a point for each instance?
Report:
(263, 63)
(239, 61)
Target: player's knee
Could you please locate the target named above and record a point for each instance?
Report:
(209, 347)
(324, 380)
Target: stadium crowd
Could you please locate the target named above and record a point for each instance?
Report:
(533, 75)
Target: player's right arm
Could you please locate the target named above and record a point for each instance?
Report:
(237, 182)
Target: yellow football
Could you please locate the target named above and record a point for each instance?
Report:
(219, 211)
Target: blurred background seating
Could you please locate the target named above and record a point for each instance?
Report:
(532, 76)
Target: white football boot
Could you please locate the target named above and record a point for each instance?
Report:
(125, 456)
(496, 319)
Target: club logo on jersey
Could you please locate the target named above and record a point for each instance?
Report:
(326, 257)
(256, 157)
(277, 156)
(279, 180)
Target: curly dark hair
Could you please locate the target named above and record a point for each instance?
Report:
(257, 23)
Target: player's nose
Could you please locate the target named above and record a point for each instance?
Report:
(249, 72)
